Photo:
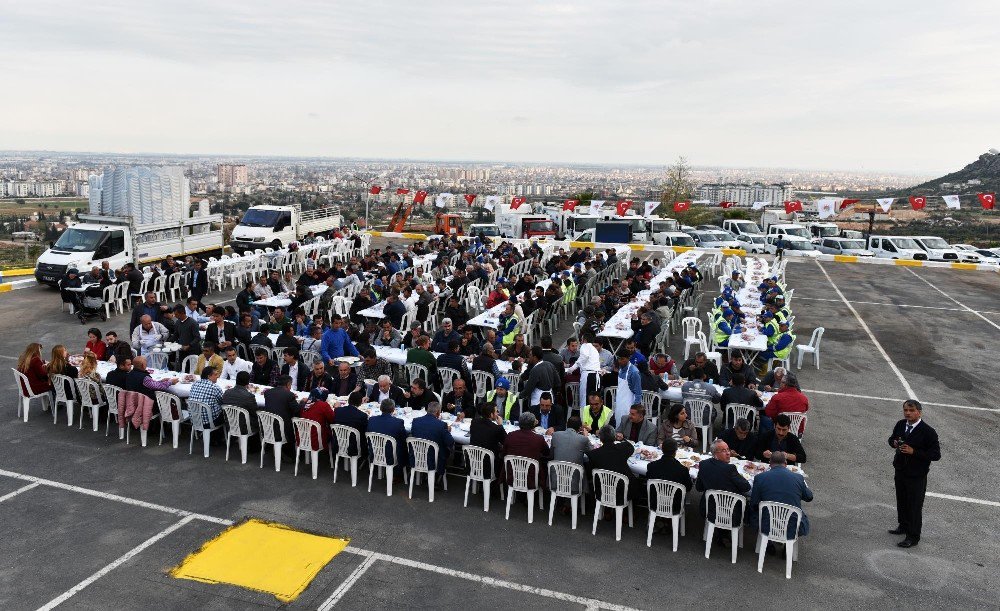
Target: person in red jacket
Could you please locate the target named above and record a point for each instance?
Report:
(31, 365)
(789, 398)
(319, 410)
(95, 343)
(498, 295)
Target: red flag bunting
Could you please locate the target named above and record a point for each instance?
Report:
(988, 200)
(622, 206)
(793, 206)
(570, 204)
(918, 202)
(726, 204)
(375, 190)
(848, 202)
(419, 197)
(516, 202)
(402, 191)
(470, 197)
(682, 206)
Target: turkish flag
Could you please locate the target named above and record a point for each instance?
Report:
(918, 202)
(375, 190)
(988, 200)
(516, 202)
(470, 197)
(848, 202)
(570, 204)
(726, 204)
(402, 191)
(682, 206)
(419, 197)
(793, 206)
(622, 206)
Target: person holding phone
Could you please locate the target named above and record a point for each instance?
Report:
(916, 445)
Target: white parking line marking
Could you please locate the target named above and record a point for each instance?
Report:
(885, 355)
(11, 495)
(900, 401)
(896, 305)
(964, 499)
(962, 305)
(117, 563)
(346, 585)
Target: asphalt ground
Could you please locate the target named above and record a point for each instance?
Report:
(55, 538)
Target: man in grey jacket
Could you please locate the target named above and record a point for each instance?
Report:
(569, 445)
(636, 427)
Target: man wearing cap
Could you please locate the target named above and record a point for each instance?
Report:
(736, 281)
(725, 328)
(505, 401)
(782, 345)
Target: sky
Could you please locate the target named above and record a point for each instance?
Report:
(848, 85)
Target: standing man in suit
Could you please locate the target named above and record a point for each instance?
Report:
(916, 445)
(198, 281)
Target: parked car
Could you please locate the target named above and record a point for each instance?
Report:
(791, 245)
(844, 246)
(752, 243)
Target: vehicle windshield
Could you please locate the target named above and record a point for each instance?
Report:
(585, 223)
(989, 254)
(720, 236)
(638, 225)
(489, 231)
(681, 240)
(857, 244)
(748, 227)
(802, 232)
(80, 240)
(935, 243)
(752, 239)
(664, 226)
(541, 226)
(827, 232)
(796, 245)
(906, 243)
(700, 235)
(260, 218)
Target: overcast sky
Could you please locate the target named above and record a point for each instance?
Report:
(852, 85)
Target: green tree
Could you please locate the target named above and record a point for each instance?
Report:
(678, 187)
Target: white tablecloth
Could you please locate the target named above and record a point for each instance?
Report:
(397, 356)
(619, 326)
(692, 460)
(283, 300)
(491, 318)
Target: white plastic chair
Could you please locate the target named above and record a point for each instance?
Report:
(268, 423)
(735, 411)
(24, 389)
(700, 414)
(310, 357)
(606, 495)
(812, 347)
(666, 497)
(59, 384)
(91, 399)
(420, 450)
(201, 422)
(304, 428)
(798, 425)
(520, 467)
(169, 403)
(477, 459)
(485, 382)
(448, 376)
(713, 356)
(698, 339)
(158, 360)
(189, 364)
(416, 370)
(109, 295)
(651, 400)
(726, 504)
(379, 444)
(111, 393)
(345, 434)
(562, 475)
(239, 427)
(691, 325)
(779, 516)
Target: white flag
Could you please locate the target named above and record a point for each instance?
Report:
(442, 199)
(650, 206)
(491, 202)
(951, 201)
(760, 205)
(595, 206)
(886, 203)
(702, 202)
(826, 207)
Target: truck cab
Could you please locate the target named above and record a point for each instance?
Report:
(896, 247)
(279, 226)
(84, 246)
(489, 230)
(526, 226)
(738, 227)
(818, 231)
(793, 229)
(448, 224)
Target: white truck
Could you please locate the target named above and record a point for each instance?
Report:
(119, 240)
(279, 226)
(490, 230)
(819, 230)
(939, 250)
(569, 223)
(739, 227)
(780, 223)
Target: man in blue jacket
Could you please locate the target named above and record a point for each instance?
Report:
(336, 343)
(431, 428)
(782, 486)
(350, 415)
(388, 424)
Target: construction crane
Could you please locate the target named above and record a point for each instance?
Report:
(444, 224)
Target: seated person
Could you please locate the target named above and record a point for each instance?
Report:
(420, 396)
(459, 401)
(636, 428)
(780, 439)
(741, 439)
(678, 427)
(782, 486)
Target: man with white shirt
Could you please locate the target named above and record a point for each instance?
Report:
(234, 364)
(589, 364)
(148, 334)
(193, 312)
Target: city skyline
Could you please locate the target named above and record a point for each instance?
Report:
(772, 85)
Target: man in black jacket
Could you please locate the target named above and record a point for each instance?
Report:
(781, 439)
(240, 396)
(220, 331)
(717, 474)
(667, 467)
(186, 333)
(198, 281)
(459, 401)
(281, 402)
(739, 393)
(260, 372)
(917, 446)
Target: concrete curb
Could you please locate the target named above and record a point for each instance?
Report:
(9, 273)
(16, 285)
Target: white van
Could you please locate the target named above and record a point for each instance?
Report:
(939, 250)
(844, 246)
(673, 238)
(791, 246)
(896, 247)
(752, 242)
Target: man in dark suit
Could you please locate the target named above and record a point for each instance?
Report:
(717, 474)
(388, 424)
(782, 486)
(220, 332)
(551, 416)
(198, 281)
(431, 428)
(781, 439)
(346, 380)
(260, 371)
(319, 378)
(241, 397)
(739, 393)
(281, 402)
(917, 446)
(292, 367)
(667, 467)
(350, 415)
(636, 428)
(459, 400)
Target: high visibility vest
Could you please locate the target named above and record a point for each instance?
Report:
(720, 334)
(784, 352)
(601, 420)
(780, 316)
(508, 338)
(773, 338)
(508, 404)
(570, 293)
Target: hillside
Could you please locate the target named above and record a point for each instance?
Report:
(985, 170)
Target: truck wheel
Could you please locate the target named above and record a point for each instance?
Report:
(276, 245)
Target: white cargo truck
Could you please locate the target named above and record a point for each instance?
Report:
(278, 226)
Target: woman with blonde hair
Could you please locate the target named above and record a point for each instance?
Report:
(59, 363)
(31, 365)
(88, 371)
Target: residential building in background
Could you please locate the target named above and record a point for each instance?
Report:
(744, 195)
(231, 175)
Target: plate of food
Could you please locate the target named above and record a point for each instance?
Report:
(75, 360)
(350, 360)
(794, 469)
(687, 463)
(696, 458)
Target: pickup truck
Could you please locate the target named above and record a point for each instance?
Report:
(279, 226)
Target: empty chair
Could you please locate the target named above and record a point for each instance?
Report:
(566, 481)
(523, 471)
(420, 451)
(515, 381)
(111, 392)
(798, 425)
(779, 518)
(158, 360)
(304, 429)
(170, 404)
(691, 326)
(700, 414)
(269, 423)
(26, 395)
(91, 400)
(189, 363)
(109, 295)
(347, 435)
(668, 495)
(66, 394)
(812, 347)
(239, 427)
(729, 508)
(482, 470)
(380, 445)
(606, 487)
(201, 423)
(697, 340)
(485, 382)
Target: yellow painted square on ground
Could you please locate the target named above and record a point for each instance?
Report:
(262, 556)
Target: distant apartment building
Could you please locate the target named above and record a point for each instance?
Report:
(744, 195)
(32, 188)
(231, 175)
